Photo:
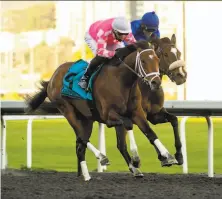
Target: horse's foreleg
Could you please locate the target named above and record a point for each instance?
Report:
(140, 121)
(110, 115)
(121, 143)
(133, 147)
(113, 119)
(122, 147)
(174, 123)
(134, 150)
(163, 117)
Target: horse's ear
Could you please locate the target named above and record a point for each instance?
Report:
(152, 46)
(155, 44)
(139, 49)
(173, 39)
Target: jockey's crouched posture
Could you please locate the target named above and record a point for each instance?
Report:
(147, 27)
(103, 38)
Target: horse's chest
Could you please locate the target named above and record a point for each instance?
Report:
(150, 107)
(154, 108)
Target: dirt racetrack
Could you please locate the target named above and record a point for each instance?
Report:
(60, 185)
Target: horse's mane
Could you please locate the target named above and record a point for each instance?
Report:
(143, 44)
(166, 40)
(139, 44)
(157, 41)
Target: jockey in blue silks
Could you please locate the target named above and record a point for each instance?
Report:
(147, 27)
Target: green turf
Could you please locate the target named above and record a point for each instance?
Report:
(54, 147)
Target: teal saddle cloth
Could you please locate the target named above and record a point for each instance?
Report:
(71, 79)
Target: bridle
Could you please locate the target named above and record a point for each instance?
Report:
(175, 64)
(139, 70)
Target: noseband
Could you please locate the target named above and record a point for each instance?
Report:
(175, 64)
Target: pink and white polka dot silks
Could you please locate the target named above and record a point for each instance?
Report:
(101, 33)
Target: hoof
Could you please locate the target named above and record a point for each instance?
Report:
(136, 172)
(111, 123)
(87, 179)
(79, 174)
(139, 175)
(104, 160)
(136, 161)
(179, 158)
(169, 161)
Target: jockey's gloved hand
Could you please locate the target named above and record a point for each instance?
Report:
(121, 53)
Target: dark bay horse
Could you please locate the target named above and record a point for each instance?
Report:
(170, 59)
(172, 66)
(152, 101)
(117, 100)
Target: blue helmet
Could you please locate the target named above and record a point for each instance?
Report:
(150, 20)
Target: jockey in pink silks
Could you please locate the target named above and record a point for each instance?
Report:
(103, 38)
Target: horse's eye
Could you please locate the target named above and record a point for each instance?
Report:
(143, 62)
(165, 54)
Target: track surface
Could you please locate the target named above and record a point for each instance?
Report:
(59, 185)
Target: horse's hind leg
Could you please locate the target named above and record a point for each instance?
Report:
(103, 159)
(163, 117)
(81, 163)
(83, 130)
(81, 145)
(122, 147)
(84, 143)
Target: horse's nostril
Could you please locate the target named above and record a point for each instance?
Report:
(154, 82)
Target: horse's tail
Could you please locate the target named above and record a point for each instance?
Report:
(33, 102)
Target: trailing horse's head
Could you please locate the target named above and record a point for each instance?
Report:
(170, 61)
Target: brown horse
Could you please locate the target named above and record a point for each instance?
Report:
(172, 66)
(117, 100)
(170, 59)
(152, 101)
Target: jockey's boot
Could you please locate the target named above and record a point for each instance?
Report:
(95, 62)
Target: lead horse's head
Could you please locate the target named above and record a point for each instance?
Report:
(170, 59)
(142, 60)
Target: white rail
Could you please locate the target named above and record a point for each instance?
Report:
(182, 108)
(30, 119)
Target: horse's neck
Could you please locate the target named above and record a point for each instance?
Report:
(127, 76)
(161, 67)
(161, 76)
(145, 88)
